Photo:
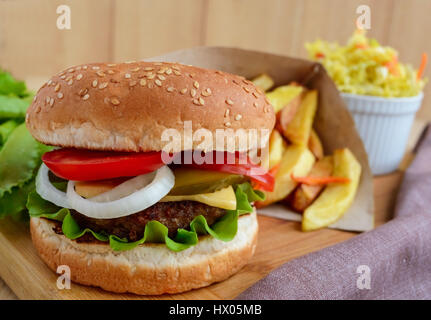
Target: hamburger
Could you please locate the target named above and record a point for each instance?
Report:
(122, 210)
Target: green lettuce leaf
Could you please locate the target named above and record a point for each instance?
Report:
(6, 129)
(19, 159)
(8, 85)
(38, 207)
(14, 203)
(223, 229)
(13, 107)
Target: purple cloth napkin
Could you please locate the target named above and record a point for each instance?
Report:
(391, 262)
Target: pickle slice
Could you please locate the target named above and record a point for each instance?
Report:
(193, 181)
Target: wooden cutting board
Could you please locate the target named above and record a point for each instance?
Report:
(279, 241)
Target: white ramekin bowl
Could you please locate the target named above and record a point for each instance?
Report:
(384, 125)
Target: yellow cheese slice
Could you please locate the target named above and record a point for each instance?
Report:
(224, 198)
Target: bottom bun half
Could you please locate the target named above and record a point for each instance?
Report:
(150, 269)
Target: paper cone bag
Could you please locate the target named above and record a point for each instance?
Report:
(333, 122)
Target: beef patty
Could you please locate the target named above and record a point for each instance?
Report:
(173, 215)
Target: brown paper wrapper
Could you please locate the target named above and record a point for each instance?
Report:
(333, 122)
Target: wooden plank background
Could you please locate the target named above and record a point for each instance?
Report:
(31, 46)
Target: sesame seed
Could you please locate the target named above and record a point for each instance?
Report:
(110, 71)
(79, 76)
(201, 101)
(226, 114)
(177, 73)
(130, 61)
(132, 83)
(206, 93)
(71, 70)
(57, 87)
(51, 102)
(175, 67)
(227, 124)
(83, 92)
(86, 97)
(245, 81)
(135, 69)
(196, 84)
(47, 100)
(49, 82)
(95, 67)
(168, 71)
(38, 109)
(100, 73)
(229, 102)
(103, 85)
(94, 83)
(158, 82)
(60, 95)
(218, 72)
(157, 63)
(143, 82)
(162, 70)
(84, 67)
(196, 102)
(255, 104)
(191, 75)
(246, 89)
(111, 64)
(150, 85)
(70, 82)
(267, 101)
(192, 92)
(63, 77)
(127, 76)
(78, 68)
(183, 91)
(161, 77)
(255, 95)
(115, 101)
(267, 108)
(238, 117)
(151, 76)
(235, 81)
(43, 86)
(170, 89)
(148, 69)
(34, 98)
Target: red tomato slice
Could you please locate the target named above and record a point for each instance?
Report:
(86, 165)
(263, 179)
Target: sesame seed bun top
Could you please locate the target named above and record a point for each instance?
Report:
(127, 106)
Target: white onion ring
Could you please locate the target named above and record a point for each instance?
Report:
(148, 195)
(47, 191)
(125, 188)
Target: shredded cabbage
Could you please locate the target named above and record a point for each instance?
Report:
(365, 67)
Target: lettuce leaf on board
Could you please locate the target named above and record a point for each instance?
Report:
(19, 158)
(223, 229)
(6, 129)
(9, 85)
(13, 107)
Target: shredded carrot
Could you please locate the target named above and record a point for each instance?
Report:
(361, 46)
(392, 65)
(315, 181)
(421, 69)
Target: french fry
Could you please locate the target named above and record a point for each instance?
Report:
(263, 81)
(299, 129)
(282, 96)
(304, 195)
(297, 160)
(277, 146)
(335, 199)
(315, 145)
